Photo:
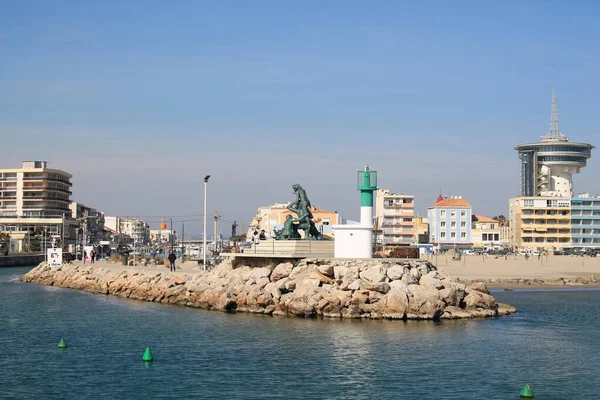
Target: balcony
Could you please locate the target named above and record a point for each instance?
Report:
(41, 198)
(46, 179)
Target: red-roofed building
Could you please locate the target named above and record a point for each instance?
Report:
(450, 223)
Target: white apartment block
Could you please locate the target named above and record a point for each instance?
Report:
(33, 199)
(394, 218)
(137, 229)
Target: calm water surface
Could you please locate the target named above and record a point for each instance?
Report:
(551, 343)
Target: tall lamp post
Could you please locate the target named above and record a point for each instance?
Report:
(206, 178)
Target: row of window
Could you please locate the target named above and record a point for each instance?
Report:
(397, 202)
(491, 237)
(453, 224)
(545, 240)
(585, 232)
(557, 147)
(545, 212)
(463, 235)
(586, 203)
(453, 213)
(585, 240)
(545, 221)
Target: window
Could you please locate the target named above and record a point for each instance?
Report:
(453, 224)
(443, 235)
(453, 235)
(443, 213)
(463, 213)
(463, 224)
(443, 224)
(463, 235)
(484, 237)
(528, 203)
(407, 219)
(452, 213)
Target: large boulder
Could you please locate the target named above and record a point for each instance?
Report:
(424, 303)
(374, 274)
(281, 271)
(394, 304)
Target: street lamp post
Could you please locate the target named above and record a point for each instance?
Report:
(206, 178)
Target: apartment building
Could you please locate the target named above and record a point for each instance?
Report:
(34, 200)
(394, 218)
(485, 233)
(540, 222)
(585, 221)
(136, 228)
(89, 222)
(450, 223)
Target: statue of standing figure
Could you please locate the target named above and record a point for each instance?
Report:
(304, 221)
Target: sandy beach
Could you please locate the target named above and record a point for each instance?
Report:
(502, 272)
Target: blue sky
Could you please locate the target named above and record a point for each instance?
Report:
(140, 99)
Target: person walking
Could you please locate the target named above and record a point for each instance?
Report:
(172, 257)
(93, 255)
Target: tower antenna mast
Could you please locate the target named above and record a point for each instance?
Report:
(554, 132)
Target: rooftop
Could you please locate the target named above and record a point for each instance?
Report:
(481, 218)
(455, 201)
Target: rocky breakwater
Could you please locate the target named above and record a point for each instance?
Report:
(377, 289)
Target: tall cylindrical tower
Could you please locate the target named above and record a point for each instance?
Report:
(547, 167)
(367, 184)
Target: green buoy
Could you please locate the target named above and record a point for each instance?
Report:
(526, 392)
(147, 355)
(62, 344)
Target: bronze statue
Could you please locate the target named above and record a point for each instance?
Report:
(304, 221)
(290, 230)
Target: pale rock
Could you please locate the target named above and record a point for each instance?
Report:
(424, 303)
(262, 282)
(259, 273)
(374, 274)
(453, 312)
(395, 272)
(381, 287)
(429, 280)
(321, 278)
(477, 287)
(326, 269)
(449, 296)
(401, 284)
(409, 279)
(355, 285)
(476, 299)
(505, 309)
(394, 304)
(281, 271)
(273, 289)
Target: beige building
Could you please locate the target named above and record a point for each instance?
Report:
(540, 222)
(34, 204)
(272, 217)
(421, 229)
(485, 233)
(394, 218)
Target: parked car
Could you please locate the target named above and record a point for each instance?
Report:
(468, 252)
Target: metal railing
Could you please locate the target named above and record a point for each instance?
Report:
(290, 247)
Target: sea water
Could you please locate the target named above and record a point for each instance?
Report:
(551, 344)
